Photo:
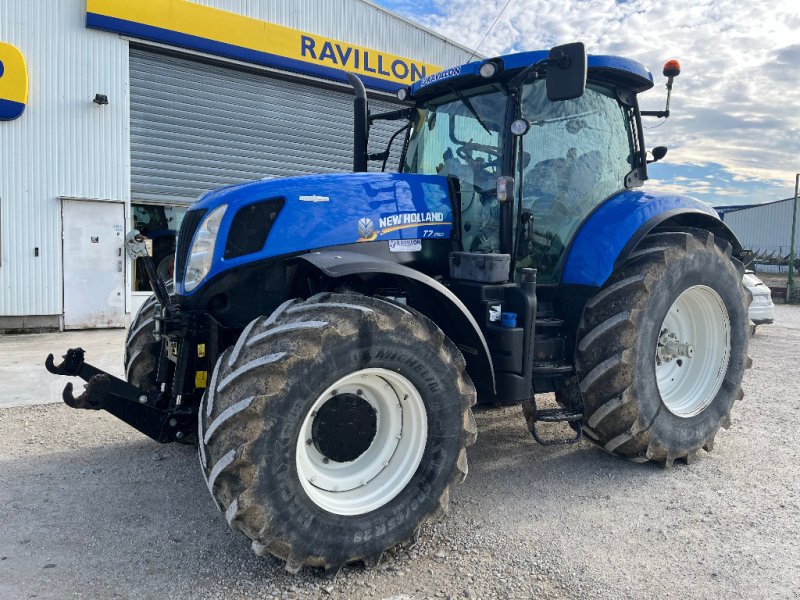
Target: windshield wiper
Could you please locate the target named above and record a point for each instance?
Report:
(471, 108)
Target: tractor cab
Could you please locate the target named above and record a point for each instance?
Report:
(536, 142)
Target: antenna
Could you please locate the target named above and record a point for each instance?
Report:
(488, 31)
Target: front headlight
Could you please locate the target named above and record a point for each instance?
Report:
(201, 253)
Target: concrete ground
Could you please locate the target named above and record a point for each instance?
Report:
(24, 379)
(89, 508)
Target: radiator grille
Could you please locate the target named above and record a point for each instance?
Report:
(250, 227)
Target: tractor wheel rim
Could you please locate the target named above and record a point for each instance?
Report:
(365, 474)
(693, 351)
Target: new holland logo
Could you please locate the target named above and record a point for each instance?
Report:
(13, 82)
(314, 198)
(366, 229)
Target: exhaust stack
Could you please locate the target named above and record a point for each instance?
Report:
(360, 124)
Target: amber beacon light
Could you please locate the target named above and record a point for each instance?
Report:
(672, 68)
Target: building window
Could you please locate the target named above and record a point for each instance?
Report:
(160, 223)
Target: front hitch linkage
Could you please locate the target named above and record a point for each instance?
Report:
(139, 408)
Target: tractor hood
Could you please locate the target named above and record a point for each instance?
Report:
(301, 214)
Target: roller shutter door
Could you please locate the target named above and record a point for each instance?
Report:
(197, 127)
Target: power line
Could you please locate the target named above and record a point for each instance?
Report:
(488, 31)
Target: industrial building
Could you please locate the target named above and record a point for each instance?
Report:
(118, 114)
(765, 230)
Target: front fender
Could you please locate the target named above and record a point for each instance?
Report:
(615, 228)
(435, 301)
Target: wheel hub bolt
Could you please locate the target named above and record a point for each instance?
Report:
(669, 347)
(673, 350)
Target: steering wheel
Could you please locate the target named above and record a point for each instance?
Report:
(464, 152)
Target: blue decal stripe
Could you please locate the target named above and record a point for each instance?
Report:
(191, 42)
(10, 110)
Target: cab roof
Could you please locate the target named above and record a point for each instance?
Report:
(617, 70)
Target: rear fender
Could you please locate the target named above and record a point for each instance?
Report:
(681, 219)
(616, 227)
(431, 298)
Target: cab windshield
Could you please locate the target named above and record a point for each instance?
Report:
(460, 136)
(576, 154)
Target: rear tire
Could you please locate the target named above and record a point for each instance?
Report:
(299, 441)
(662, 349)
(141, 349)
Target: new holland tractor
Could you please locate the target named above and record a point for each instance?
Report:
(326, 336)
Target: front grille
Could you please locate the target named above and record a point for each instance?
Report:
(250, 227)
(191, 221)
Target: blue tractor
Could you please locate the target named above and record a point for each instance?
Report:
(327, 336)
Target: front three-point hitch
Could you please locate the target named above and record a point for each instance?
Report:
(151, 412)
(146, 411)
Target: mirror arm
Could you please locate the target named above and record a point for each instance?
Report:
(384, 156)
(518, 79)
(514, 87)
(655, 113)
(393, 115)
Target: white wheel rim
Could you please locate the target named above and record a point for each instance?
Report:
(692, 351)
(384, 469)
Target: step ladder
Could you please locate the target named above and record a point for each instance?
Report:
(551, 364)
(556, 415)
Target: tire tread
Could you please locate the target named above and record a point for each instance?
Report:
(611, 317)
(229, 439)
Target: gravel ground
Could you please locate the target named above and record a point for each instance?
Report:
(91, 509)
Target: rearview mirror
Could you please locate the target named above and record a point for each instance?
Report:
(566, 71)
(658, 153)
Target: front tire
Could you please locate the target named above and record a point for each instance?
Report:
(141, 349)
(334, 428)
(662, 349)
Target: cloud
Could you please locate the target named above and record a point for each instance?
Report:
(735, 103)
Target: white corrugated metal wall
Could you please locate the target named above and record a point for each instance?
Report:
(66, 146)
(63, 145)
(764, 228)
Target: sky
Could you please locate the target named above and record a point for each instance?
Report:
(734, 130)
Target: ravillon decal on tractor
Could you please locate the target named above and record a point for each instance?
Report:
(325, 337)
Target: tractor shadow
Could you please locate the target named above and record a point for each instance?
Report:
(508, 469)
(505, 449)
